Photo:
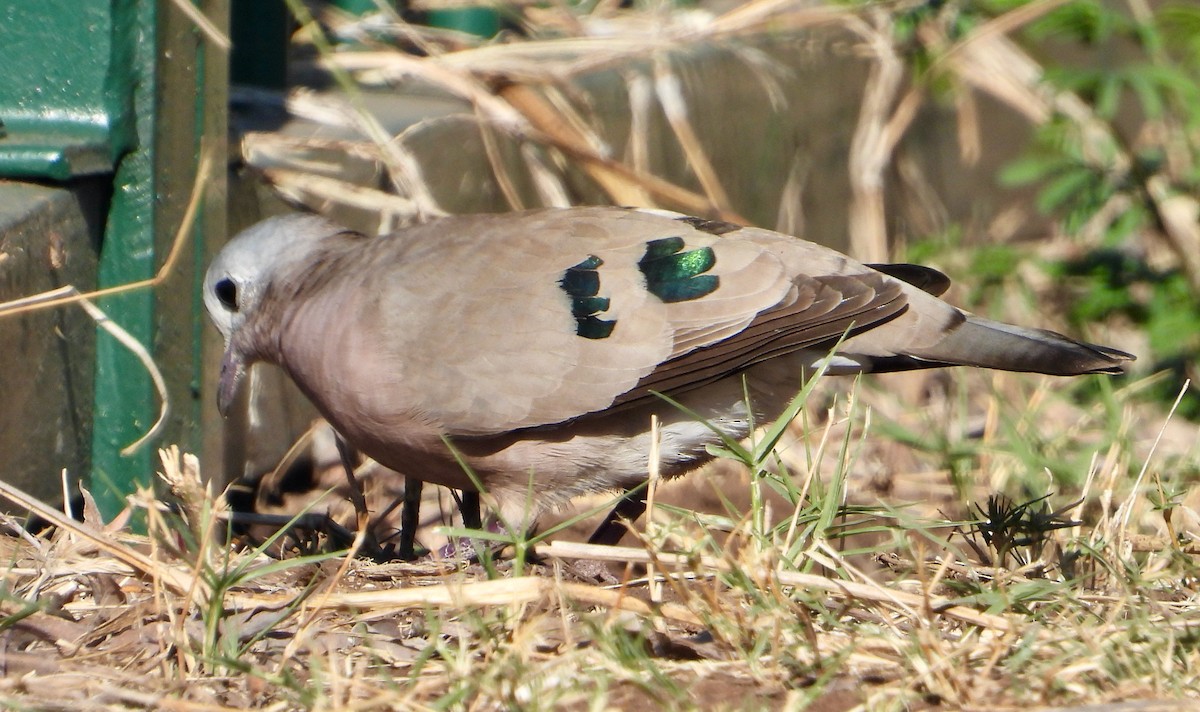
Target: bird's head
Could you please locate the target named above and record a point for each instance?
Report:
(240, 275)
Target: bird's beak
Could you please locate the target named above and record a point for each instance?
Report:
(233, 367)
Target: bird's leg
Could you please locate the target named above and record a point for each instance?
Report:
(631, 506)
(370, 544)
(410, 518)
(468, 506)
(472, 518)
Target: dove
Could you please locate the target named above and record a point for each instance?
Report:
(532, 348)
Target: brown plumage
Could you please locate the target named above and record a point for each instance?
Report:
(537, 342)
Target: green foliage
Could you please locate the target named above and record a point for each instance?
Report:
(1088, 21)
(1162, 303)
(1076, 179)
(1109, 169)
(1081, 165)
(1180, 23)
(1123, 285)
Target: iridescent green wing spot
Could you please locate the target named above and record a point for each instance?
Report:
(582, 284)
(675, 276)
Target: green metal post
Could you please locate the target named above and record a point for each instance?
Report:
(180, 98)
(482, 21)
(65, 89)
(125, 397)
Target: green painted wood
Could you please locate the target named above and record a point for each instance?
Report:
(181, 83)
(66, 86)
(357, 7)
(124, 401)
(481, 21)
(214, 228)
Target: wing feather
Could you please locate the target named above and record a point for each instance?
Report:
(507, 346)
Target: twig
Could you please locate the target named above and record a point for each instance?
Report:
(499, 592)
(871, 146)
(205, 25)
(674, 106)
(563, 133)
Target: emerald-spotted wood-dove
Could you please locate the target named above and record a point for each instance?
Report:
(537, 342)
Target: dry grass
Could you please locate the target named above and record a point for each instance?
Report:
(837, 597)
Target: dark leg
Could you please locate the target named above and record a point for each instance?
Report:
(631, 506)
(468, 506)
(370, 545)
(410, 518)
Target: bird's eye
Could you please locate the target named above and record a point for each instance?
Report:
(226, 292)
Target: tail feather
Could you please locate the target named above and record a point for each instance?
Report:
(992, 344)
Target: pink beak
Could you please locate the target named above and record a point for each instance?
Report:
(233, 367)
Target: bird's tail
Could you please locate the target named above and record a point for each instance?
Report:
(991, 344)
